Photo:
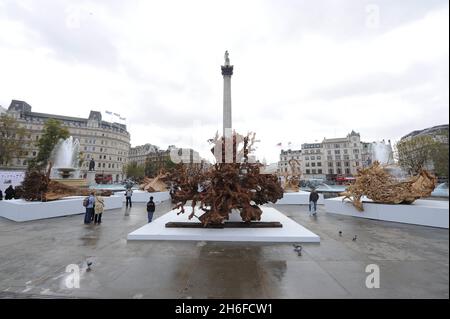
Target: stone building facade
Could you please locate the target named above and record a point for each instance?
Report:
(285, 157)
(105, 142)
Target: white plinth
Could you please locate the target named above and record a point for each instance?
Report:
(143, 196)
(298, 198)
(290, 232)
(20, 210)
(421, 212)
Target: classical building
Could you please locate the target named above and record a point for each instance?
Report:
(312, 159)
(285, 157)
(105, 142)
(139, 154)
(149, 153)
(335, 157)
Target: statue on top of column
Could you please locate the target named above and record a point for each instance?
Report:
(227, 59)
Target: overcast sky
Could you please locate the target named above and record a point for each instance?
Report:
(303, 70)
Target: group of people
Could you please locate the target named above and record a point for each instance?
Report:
(10, 193)
(95, 206)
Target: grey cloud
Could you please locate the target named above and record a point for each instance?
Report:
(72, 32)
(414, 76)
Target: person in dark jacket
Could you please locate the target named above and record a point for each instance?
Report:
(9, 193)
(1, 195)
(150, 209)
(313, 198)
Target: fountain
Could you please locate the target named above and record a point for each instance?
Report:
(65, 158)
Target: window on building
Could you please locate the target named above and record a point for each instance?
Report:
(347, 171)
(336, 145)
(346, 157)
(319, 171)
(329, 158)
(329, 152)
(330, 164)
(357, 164)
(99, 165)
(355, 151)
(307, 164)
(330, 171)
(307, 171)
(339, 171)
(313, 171)
(338, 164)
(307, 158)
(338, 157)
(319, 164)
(313, 164)
(345, 151)
(104, 165)
(356, 156)
(337, 152)
(347, 164)
(313, 158)
(319, 158)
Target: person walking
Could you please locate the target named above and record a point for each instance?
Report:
(313, 198)
(9, 193)
(150, 209)
(98, 209)
(128, 194)
(89, 203)
(1, 195)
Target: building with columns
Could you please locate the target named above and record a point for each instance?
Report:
(105, 142)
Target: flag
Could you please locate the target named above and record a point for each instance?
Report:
(279, 144)
(118, 115)
(123, 118)
(289, 143)
(108, 112)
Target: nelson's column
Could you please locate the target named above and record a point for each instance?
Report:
(227, 72)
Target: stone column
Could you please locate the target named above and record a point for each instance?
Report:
(227, 72)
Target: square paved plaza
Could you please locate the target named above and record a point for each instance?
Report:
(413, 260)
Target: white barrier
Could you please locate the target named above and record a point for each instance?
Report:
(143, 196)
(20, 210)
(298, 198)
(422, 212)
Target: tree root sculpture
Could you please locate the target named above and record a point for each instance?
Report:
(39, 187)
(225, 187)
(292, 178)
(157, 184)
(377, 184)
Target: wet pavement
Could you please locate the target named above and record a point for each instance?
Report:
(413, 260)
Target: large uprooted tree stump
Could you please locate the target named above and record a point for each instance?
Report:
(377, 184)
(225, 186)
(38, 186)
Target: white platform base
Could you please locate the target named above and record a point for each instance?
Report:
(421, 212)
(298, 198)
(20, 210)
(290, 232)
(143, 196)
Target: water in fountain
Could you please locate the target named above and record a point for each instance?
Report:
(382, 153)
(65, 157)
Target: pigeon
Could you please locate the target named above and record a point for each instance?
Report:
(340, 233)
(298, 249)
(354, 238)
(89, 263)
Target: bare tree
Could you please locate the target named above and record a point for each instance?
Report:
(414, 153)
